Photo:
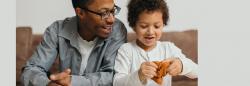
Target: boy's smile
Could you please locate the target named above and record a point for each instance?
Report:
(148, 29)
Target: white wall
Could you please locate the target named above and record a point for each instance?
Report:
(39, 14)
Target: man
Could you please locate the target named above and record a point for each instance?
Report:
(86, 45)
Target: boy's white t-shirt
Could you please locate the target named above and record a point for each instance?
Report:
(130, 56)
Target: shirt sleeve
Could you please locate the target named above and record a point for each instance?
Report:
(34, 73)
(189, 68)
(122, 67)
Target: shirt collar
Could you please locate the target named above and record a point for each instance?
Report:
(69, 31)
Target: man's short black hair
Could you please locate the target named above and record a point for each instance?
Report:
(80, 3)
(136, 7)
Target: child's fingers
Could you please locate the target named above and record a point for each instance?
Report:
(174, 69)
(152, 64)
(172, 66)
(150, 68)
(148, 65)
(173, 72)
(167, 60)
(148, 71)
(149, 74)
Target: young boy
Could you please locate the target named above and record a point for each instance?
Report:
(136, 64)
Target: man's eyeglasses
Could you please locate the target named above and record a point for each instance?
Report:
(106, 14)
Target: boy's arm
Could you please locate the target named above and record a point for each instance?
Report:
(189, 68)
(122, 67)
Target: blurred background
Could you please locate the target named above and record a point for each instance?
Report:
(34, 16)
(39, 14)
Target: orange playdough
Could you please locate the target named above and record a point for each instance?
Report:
(161, 71)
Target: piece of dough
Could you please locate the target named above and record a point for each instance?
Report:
(161, 71)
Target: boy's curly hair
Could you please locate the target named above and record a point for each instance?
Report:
(136, 7)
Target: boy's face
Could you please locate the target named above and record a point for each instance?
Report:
(148, 29)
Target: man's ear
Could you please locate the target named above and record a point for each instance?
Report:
(79, 12)
(133, 28)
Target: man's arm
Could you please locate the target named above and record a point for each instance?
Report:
(36, 68)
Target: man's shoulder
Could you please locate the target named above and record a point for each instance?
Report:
(119, 29)
(118, 21)
(118, 25)
(65, 21)
(59, 25)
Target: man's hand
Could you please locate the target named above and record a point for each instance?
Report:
(52, 83)
(61, 79)
(175, 67)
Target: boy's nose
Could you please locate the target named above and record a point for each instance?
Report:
(150, 30)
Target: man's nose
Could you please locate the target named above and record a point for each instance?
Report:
(110, 19)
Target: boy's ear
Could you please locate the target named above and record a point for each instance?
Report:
(79, 12)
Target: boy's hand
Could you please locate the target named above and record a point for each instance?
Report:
(175, 67)
(63, 78)
(147, 71)
(161, 71)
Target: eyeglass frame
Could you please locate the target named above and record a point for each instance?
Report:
(105, 14)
